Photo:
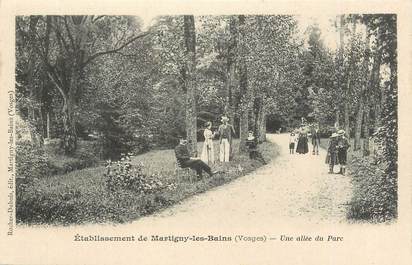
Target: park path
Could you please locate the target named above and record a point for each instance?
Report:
(290, 187)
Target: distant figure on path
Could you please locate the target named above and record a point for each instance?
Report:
(315, 141)
(208, 154)
(225, 138)
(251, 143)
(332, 156)
(184, 160)
(302, 147)
(292, 140)
(342, 147)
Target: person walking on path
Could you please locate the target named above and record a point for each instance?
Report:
(225, 138)
(315, 141)
(331, 156)
(208, 154)
(302, 147)
(292, 140)
(184, 160)
(342, 148)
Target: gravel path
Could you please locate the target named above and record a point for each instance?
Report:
(291, 187)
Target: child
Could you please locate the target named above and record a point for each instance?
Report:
(342, 150)
(331, 157)
(292, 140)
(251, 143)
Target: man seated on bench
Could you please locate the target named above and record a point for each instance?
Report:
(184, 160)
(251, 143)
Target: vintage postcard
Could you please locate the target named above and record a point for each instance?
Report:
(205, 132)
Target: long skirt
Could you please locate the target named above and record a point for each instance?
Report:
(332, 158)
(208, 154)
(342, 156)
(302, 147)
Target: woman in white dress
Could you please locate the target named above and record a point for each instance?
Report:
(208, 154)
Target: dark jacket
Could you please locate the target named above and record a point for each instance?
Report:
(182, 154)
(315, 138)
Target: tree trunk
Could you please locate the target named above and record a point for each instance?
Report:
(262, 124)
(230, 67)
(244, 106)
(366, 122)
(363, 96)
(375, 85)
(349, 85)
(190, 53)
(48, 125)
(230, 74)
(69, 141)
(337, 114)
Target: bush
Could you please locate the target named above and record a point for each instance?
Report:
(86, 155)
(31, 161)
(122, 175)
(375, 194)
(84, 196)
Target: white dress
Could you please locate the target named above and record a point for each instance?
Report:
(208, 154)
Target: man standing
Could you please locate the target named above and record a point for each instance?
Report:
(315, 141)
(184, 160)
(225, 138)
(331, 157)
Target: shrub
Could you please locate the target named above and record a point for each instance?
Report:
(122, 175)
(375, 194)
(31, 161)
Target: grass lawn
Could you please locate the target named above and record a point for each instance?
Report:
(81, 196)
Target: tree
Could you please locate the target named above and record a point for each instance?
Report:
(363, 102)
(244, 89)
(66, 46)
(189, 81)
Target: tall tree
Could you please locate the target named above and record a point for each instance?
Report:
(244, 88)
(189, 80)
(66, 45)
(349, 82)
(363, 102)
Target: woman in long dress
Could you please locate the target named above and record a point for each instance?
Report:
(208, 154)
(302, 147)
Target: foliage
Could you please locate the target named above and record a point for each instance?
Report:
(375, 195)
(31, 161)
(122, 175)
(82, 196)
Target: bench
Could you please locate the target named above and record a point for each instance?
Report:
(184, 172)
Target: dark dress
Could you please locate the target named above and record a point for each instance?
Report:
(302, 147)
(342, 150)
(332, 156)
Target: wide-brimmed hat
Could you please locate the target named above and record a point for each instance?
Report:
(224, 118)
(341, 132)
(334, 135)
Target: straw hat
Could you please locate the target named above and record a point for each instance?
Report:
(224, 118)
(340, 132)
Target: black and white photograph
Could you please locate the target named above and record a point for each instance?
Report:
(180, 132)
(121, 118)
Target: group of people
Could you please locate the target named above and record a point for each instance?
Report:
(207, 158)
(300, 138)
(337, 151)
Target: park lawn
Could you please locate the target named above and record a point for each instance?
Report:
(81, 196)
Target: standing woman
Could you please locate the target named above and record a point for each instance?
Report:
(302, 147)
(208, 154)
